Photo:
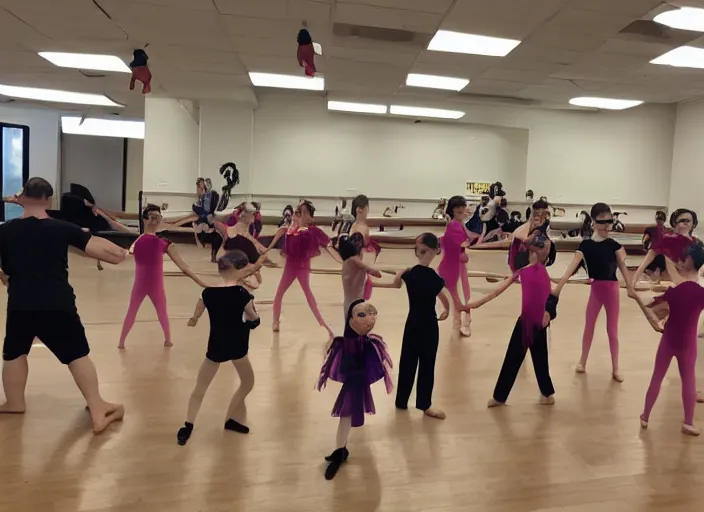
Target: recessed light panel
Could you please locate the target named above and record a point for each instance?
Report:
(53, 95)
(401, 110)
(364, 108)
(682, 57)
(436, 82)
(287, 81)
(457, 42)
(103, 127)
(86, 61)
(605, 103)
(687, 18)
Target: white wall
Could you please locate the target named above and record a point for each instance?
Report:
(96, 163)
(301, 148)
(171, 147)
(44, 155)
(135, 163)
(687, 180)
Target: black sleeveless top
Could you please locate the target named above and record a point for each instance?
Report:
(242, 243)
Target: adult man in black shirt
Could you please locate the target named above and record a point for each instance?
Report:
(41, 303)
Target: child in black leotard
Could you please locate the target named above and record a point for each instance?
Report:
(232, 316)
(421, 334)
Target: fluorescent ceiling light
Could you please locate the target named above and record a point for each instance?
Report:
(53, 95)
(605, 103)
(86, 61)
(457, 42)
(400, 110)
(365, 108)
(103, 127)
(686, 18)
(436, 82)
(287, 81)
(682, 57)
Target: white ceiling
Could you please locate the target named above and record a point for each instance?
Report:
(203, 49)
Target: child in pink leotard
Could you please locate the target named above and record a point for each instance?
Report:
(360, 212)
(679, 339)
(454, 260)
(148, 251)
(303, 241)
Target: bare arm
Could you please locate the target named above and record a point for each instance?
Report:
(442, 297)
(176, 258)
(335, 255)
(675, 276)
(649, 258)
(104, 250)
(250, 311)
(491, 296)
(200, 309)
(571, 269)
(281, 232)
(621, 262)
(117, 226)
(652, 320)
(397, 282)
(523, 231)
(359, 263)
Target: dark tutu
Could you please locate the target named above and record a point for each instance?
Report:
(305, 243)
(357, 363)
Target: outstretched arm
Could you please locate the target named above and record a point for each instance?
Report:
(200, 309)
(571, 269)
(117, 226)
(621, 262)
(176, 258)
(332, 252)
(104, 250)
(649, 258)
(397, 282)
(281, 232)
(652, 320)
(491, 296)
(675, 276)
(359, 263)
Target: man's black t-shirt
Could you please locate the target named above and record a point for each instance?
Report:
(34, 255)
(423, 285)
(600, 258)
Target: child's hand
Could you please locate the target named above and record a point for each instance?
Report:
(546, 319)
(192, 321)
(375, 273)
(470, 306)
(631, 292)
(443, 315)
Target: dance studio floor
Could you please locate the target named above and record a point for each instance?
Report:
(586, 453)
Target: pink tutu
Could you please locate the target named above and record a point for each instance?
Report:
(302, 244)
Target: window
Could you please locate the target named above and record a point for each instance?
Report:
(14, 165)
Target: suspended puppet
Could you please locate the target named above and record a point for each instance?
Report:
(306, 51)
(232, 178)
(140, 71)
(493, 214)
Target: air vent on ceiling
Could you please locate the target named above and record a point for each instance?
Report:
(386, 35)
(652, 32)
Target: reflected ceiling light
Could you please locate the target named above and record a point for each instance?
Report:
(103, 127)
(86, 61)
(53, 95)
(317, 48)
(401, 110)
(686, 18)
(682, 57)
(287, 81)
(457, 42)
(436, 82)
(364, 108)
(605, 103)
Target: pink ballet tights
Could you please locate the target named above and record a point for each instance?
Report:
(155, 292)
(603, 294)
(686, 361)
(302, 274)
(367, 290)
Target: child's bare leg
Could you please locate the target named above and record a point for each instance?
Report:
(14, 380)
(206, 374)
(103, 413)
(237, 410)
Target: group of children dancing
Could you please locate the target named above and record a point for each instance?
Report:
(358, 358)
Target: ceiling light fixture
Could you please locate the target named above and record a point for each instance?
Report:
(682, 57)
(86, 61)
(363, 108)
(287, 81)
(605, 103)
(686, 18)
(56, 96)
(103, 127)
(401, 110)
(457, 42)
(436, 82)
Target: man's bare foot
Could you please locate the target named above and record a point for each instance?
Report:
(167, 343)
(643, 423)
(690, 430)
(12, 408)
(617, 376)
(580, 368)
(700, 397)
(435, 413)
(275, 327)
(547, 400)
(109, 415)
(494, 403)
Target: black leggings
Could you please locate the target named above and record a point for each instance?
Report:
(515, 354)
(213, 239)
(417, 351)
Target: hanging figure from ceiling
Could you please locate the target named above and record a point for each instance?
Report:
(231, 175)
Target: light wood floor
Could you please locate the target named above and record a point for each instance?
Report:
(585, 454)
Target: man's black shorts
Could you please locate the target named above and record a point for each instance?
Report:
(61, 332)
